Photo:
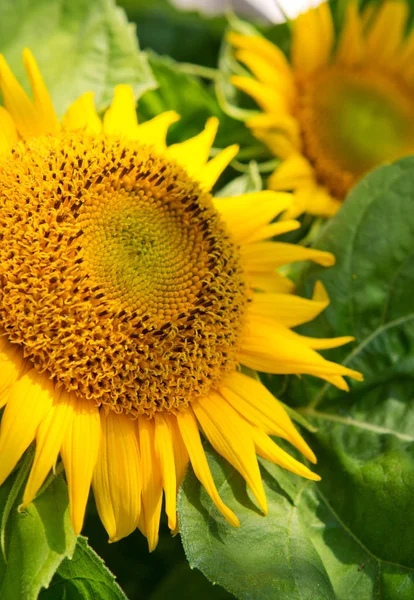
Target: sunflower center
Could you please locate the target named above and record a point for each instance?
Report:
(353, 121)
(117, 277)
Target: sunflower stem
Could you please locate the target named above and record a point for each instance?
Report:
(198, 70)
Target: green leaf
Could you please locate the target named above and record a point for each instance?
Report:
(36, 540)
(349, 536)
(268, 557)
(79, 45)
(85, 577)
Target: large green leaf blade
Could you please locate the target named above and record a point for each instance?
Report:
(41, 557)
(266, 557)
(80, 46)
(84, 577)
(36, 540)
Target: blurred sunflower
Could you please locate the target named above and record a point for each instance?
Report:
(128, 299)
(340, 107)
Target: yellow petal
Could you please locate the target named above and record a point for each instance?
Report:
(266, 256)
(261, 46)
(191, 436)
(301, 203)
(312, 39)
(273, 230)
(29, 402)
(181, 457)
(18, 104)
(82, 115)
(350, 51)
(193, 154)
(321, 343)
(254, 401)
(326, 27)
(121, 116)
(264, 71)
(270, 282)
(154, 131)
(8, 132)
(280, 142)
(313, 199)
(267, 448)
(247, 213)
(290, 310)
(151, 482)
(165, 452)
(117, 476)
(266, 125)
(42, 100)
(79, 452)
(209, 173)
(263, 350)
(230, 435)
(268, 98)
(386, 33)
(296, 171)
(12, 366)
(285, 332)
(49, 439)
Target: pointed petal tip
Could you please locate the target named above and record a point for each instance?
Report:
(123, 87)
(341, 384)
(212, 122)
(152, 544)
(172, 523)
(115, 538)
(326, 259)
(346, 339)
(230, 516)
(320, 293)
(304, 449)
(77, 527)
(234, 149)
(262, 501)
(27, 53)
(173, 116)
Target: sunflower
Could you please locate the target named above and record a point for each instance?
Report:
(129, 298)
(340, 107)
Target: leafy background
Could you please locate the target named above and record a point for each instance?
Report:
(349, 536)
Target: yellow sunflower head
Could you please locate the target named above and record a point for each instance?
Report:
(339, 107)
(129, 298)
